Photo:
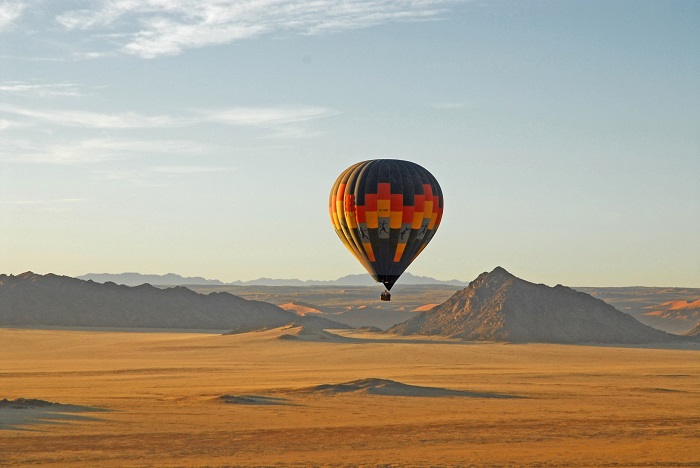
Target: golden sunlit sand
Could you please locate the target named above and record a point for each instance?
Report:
(186, 399)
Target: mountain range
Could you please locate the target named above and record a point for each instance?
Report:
(171, 279)
(32, 300)
(496, 306)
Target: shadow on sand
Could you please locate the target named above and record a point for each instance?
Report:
(374, 386)
(21, 412)
(348, 336)
(306, 333)
(255, 400)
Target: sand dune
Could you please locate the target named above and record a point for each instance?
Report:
(368, 386)
(681, 305)
(425, 308)
(308, 333)
(376, 386)
(301, 308)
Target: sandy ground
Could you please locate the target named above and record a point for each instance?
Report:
(155, 399)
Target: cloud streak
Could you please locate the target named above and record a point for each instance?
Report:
(130, 130)
(87, 119)
(266, 117)
(159, 176)
(185, 170)
(167, 27)
(97, 150)
(10, 12)
(41, 201)
(449, 105)
(23, 88)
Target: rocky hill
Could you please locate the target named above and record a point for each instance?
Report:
(50, 300)
(498, 306)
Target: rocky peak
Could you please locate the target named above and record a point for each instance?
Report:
(27, 275)
(500, 306)
(496, 277)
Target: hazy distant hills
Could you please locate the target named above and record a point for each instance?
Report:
(50, 300)
(171, 279)
(672, 309)
(137, 279)
(498, 306)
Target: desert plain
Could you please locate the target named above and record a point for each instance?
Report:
(272, 398)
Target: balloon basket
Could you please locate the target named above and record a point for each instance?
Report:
(385, 296)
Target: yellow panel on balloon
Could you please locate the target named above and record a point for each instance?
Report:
(428, 211)
(399, 252)
(417, 220)
(372, 219)
(351, 219)
(369, 251)
(395, 220)
(384, 206)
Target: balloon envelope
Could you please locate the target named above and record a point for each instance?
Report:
(386, 211)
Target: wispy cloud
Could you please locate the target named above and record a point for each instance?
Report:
(10, 11)
(266, 116)
(158, 176)
(283, 121)
(141, 178)
(42, 201)
(96, 150)
(449, 105)
(120, 174)
(88, 119)
(5, 124)
(185, 170)
(167, 27)
(40, 89)
(73, 56)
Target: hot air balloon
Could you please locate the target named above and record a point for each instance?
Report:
(386, 211)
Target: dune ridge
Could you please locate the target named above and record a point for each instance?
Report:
(386, 387)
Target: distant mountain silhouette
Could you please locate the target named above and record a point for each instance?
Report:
(171, 279)
(278, 282)
(498, 306)
(137, 279)
(50, 300)
(406, 278)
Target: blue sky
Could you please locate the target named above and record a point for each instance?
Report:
(202, 138)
